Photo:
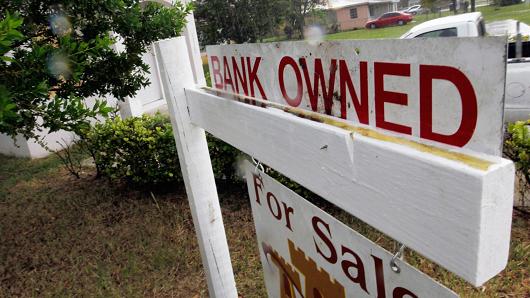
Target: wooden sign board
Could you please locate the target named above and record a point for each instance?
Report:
(448, 91)
(304, 250)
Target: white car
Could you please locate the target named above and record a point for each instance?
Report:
(467, 24)
(517, 90)
(414, 9)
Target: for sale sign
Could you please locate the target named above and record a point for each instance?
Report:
(447, 91)
(305, 252)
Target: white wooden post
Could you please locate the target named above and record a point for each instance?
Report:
(194, 51)
(177, 74)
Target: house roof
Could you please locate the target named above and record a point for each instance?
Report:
(338, 4)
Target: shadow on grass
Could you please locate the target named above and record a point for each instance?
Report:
(14, 170)
(82, 237)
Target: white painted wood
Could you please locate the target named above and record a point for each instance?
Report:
(153, 92)
(190, 33)
(194, 50)
(20, 147)
(196, 168)
(454, 207)
(480, 60)
(300, 222)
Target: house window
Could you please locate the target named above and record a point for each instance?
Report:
(353, 13)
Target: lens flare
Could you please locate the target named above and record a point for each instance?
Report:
(59, 66)
(60, 24)
(314, 34)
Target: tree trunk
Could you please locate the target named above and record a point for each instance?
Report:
(300, 26)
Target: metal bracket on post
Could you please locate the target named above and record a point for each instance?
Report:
(259, 167)
(176, 75)
(398, 255)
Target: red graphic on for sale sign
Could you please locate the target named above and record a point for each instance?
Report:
(305, 252)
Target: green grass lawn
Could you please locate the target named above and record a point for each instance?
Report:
(16, 170)
(388, 32)
(519, 12)
(68, 237)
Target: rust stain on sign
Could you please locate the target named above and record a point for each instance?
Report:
(471, 161)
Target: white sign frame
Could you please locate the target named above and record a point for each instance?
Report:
(336, 163)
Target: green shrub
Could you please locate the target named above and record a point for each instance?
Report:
(291, 184)
(224, 159)
(517, 148)
(142, 151)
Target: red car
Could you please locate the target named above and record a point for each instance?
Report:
(389, 19)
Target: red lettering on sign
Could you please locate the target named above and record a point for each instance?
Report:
(358, 264)
(240, 77)
(379, 277)
(241, 74)
(361, 106)
(294, 102)
(332, 258)
(258, 184)
(353, 268)
(227, 75)
(318, 77)
(400, 292)
(272, 200)
(216, 72)
(253, 77)
(382, 96)
(288, 210)
(278, 213)
(468, 121)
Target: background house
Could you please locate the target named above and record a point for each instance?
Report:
(354, 14)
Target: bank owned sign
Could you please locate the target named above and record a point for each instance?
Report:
(448, 92)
